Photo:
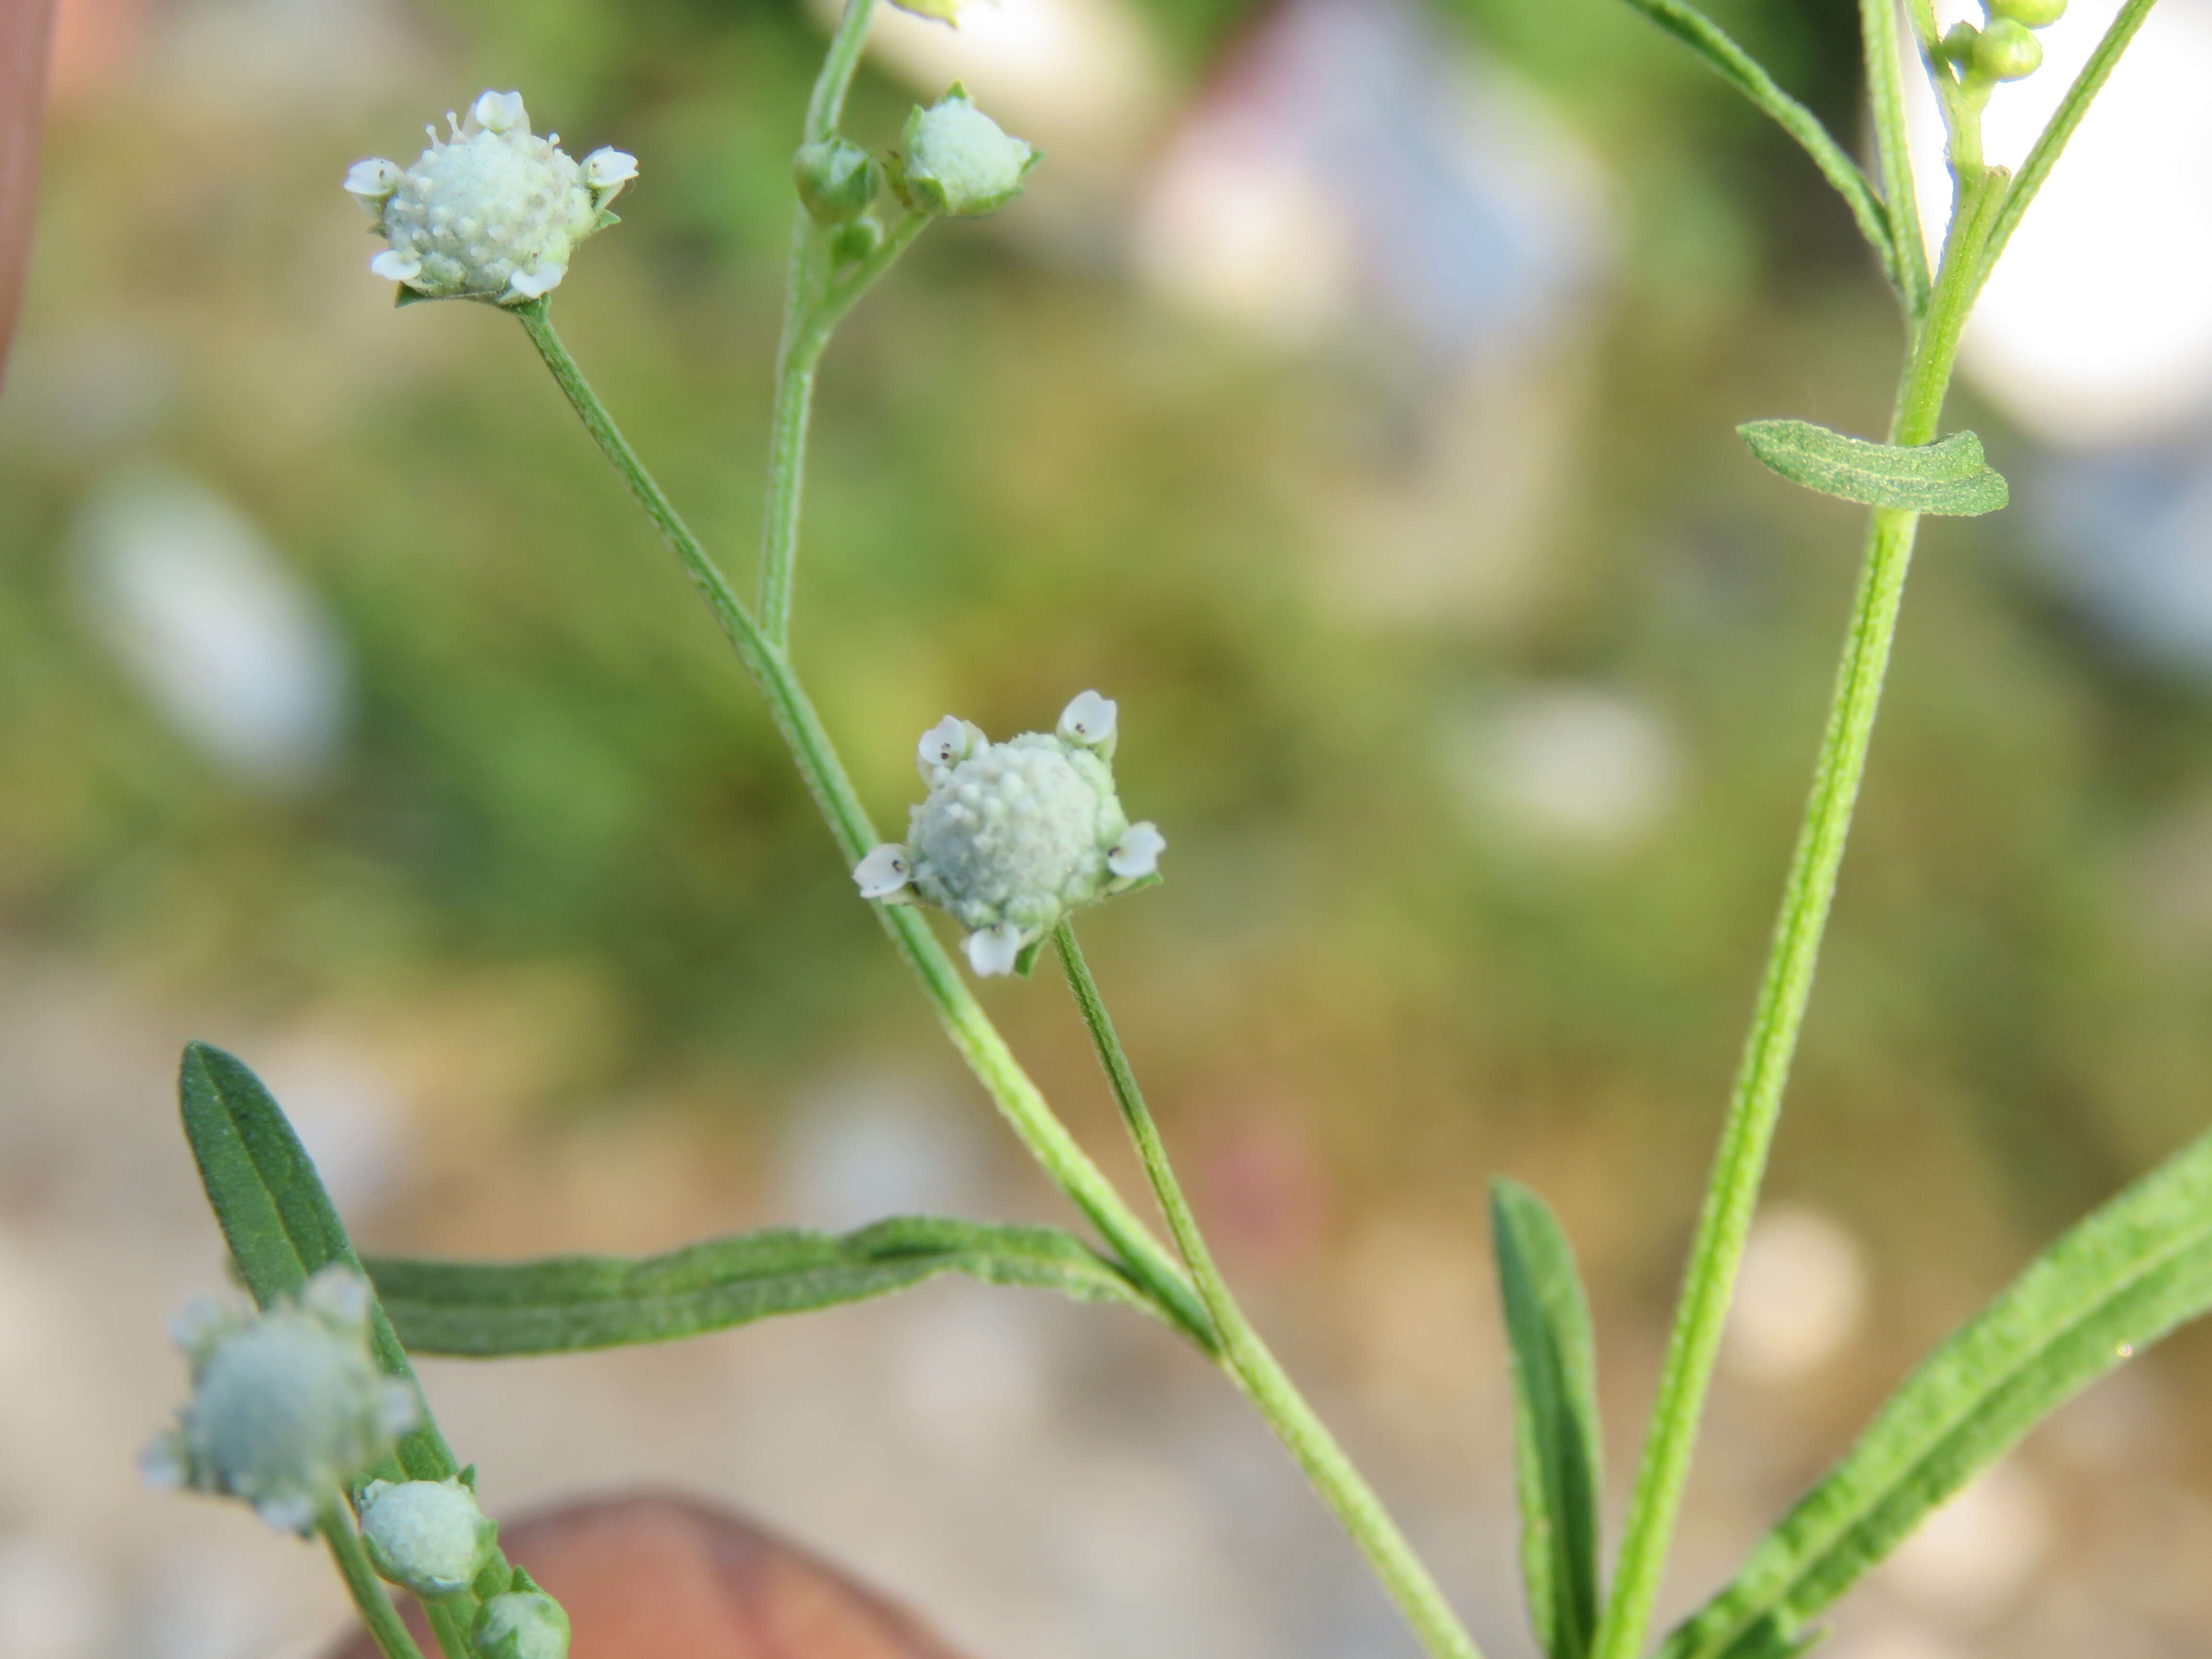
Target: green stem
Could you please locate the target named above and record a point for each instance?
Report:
(1756, 1100)
(803, 338)
(377, 1612)
(1247, 1359)
(979, 1042)
(1885, 72)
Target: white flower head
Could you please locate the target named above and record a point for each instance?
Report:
(1089, 720)
(884, 873)
(287, 1409)
(427, 1536)
(1015, 836)
(491, 212)
(521, 1624)
(956, 160)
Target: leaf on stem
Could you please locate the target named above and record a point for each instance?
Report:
(563, 1303)
(2121, 1280)
(1557, 1449)
(1949, 476)
(1744, 72)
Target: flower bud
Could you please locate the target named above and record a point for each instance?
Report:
(836, 178)
(956, 160)
(2029, 13)
(520, 1623)
(1957, 46)
(1014, 836)
(855, 242)
(427, 1536)
(287, 1408)
(492, 212)
(944, 11)
(2006, 51)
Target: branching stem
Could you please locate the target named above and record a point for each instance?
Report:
(384, 1626)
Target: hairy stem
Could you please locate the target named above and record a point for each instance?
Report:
(1787, 984)
(979, 1042)
(377, 1612)
(1248, 1359)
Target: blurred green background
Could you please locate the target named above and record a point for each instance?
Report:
(1477, 706)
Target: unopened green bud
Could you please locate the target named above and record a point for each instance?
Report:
(2029, 13)
(1958, 46)
(427, 1536)
(521, 1624)
(837, 179)
(943, 11)
(2006, 51)
(856, 241)
(956, 160)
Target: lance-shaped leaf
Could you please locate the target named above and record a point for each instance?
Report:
(2119, 1281)
(560, 1303)
(281, 1229)
(1555, 1427)
(1949, 476)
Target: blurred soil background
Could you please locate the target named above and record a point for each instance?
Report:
(1351, 398)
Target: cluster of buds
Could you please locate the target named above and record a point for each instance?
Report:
(288, 1408)
(1014, 836)
(491, 212)
(2005, 47)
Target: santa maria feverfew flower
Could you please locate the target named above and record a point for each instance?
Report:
(491, 212)
(1016, 834)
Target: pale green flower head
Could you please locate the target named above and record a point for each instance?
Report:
(287, 1409)
(1015, 836)
(491, 212)
(427, 1536)
(955, 160)
(521, 1624)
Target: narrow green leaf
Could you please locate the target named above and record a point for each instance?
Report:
(1744, 72)
(280, 1224)
(562, 1304)
(1556, 1444)
(2118, 1282)
(1949, 476)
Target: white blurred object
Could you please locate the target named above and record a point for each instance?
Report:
(1896, 1642)
(53, 1602)
(2096, 327)
(1799, 1297)
(1575, 764)
(972, 1372)
(1081, 78)
(1351, 162)
(346, 1112)
(1975, 1554)
(202, 612)
(862, 1148)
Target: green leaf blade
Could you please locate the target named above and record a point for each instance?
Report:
(1950, 476)
(2119, 1280)
(1556, 1437)
(563, 1304)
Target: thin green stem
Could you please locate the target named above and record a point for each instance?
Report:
(979, 1042)
(1787, 984)
(385, 1626)
(802, 340)
(1885, 73)
(1248, 1360)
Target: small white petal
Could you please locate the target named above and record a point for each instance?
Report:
(607, 170)
(398, 1412)
(1088, 721)
(500, 112)
(884, 873)
(541, 278)
(395, 266)
(945, 743)
(371, 181)
(1137, 853)
(199, 1323)
(993, 951)
(161, 1464)
(339, 1297)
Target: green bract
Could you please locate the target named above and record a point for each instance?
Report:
(427, 1536)
(958, 161)
(287, 1409)
(1016, 834)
